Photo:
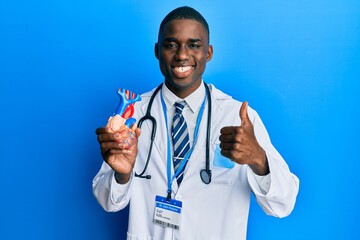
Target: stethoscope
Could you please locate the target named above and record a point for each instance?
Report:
(205, 174)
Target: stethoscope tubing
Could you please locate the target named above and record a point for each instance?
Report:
(205, 174)
(153, 131)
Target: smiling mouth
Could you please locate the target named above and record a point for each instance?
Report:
(182, 69)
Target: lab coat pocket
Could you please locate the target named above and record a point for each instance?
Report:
(220, 160)
(224, 171)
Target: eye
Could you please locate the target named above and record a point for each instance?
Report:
(194, 45)
(170, 45)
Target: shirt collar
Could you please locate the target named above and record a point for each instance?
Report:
(192, 100)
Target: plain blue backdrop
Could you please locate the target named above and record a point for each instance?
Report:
(297, 62)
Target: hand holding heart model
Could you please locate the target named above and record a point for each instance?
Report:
(121, 121)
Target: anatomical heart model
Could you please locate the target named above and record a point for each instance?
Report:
(121, 121)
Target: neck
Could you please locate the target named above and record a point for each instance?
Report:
(183, 92)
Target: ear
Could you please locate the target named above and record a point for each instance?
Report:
(210, 52)
(156, 50)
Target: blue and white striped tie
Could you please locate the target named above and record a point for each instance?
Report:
(180, 138)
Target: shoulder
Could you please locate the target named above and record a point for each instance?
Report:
(219, 95)
(227, 104)
(145, 97)
(141, 106)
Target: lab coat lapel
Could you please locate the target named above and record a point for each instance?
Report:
(217, 114)
(161, 136)
(192, 181)
(160, 141)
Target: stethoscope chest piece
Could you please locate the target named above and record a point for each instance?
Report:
(205, 176)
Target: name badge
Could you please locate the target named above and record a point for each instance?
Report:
(167, 213)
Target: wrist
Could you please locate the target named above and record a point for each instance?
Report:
(262, 168)
(121, 178)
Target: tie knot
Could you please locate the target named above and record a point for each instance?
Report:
(179, 106)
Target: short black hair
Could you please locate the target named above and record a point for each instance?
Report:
(184, 13)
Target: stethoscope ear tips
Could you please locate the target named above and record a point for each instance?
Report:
(205, 175)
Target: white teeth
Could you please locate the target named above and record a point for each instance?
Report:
(182, 69)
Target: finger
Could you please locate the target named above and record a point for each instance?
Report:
(235, 156)
(230, 146)
(109, 152)
(244, 114)
(119, 151)
(102, 130)
(105, 146)
(231, 154)
(108, 137)
(232, 133)
(228, 130)
(225, 153)
(134, 126)
(226, 138)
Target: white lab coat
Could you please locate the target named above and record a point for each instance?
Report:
(215, 211)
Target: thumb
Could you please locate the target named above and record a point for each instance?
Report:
(137, 132)
(244, 115)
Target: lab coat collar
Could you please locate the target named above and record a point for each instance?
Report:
(192, 100)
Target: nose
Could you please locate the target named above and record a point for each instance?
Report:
(182, 53)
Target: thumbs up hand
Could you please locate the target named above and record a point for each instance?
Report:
(240, 145)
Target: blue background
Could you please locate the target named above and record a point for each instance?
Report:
(296, 62)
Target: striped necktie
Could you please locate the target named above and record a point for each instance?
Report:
(180, 138)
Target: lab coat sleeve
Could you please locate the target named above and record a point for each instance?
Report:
(276, 193)
(110, 195)
(263, 182)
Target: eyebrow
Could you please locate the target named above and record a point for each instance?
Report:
(171, 39)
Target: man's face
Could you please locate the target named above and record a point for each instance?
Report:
(183, 51)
